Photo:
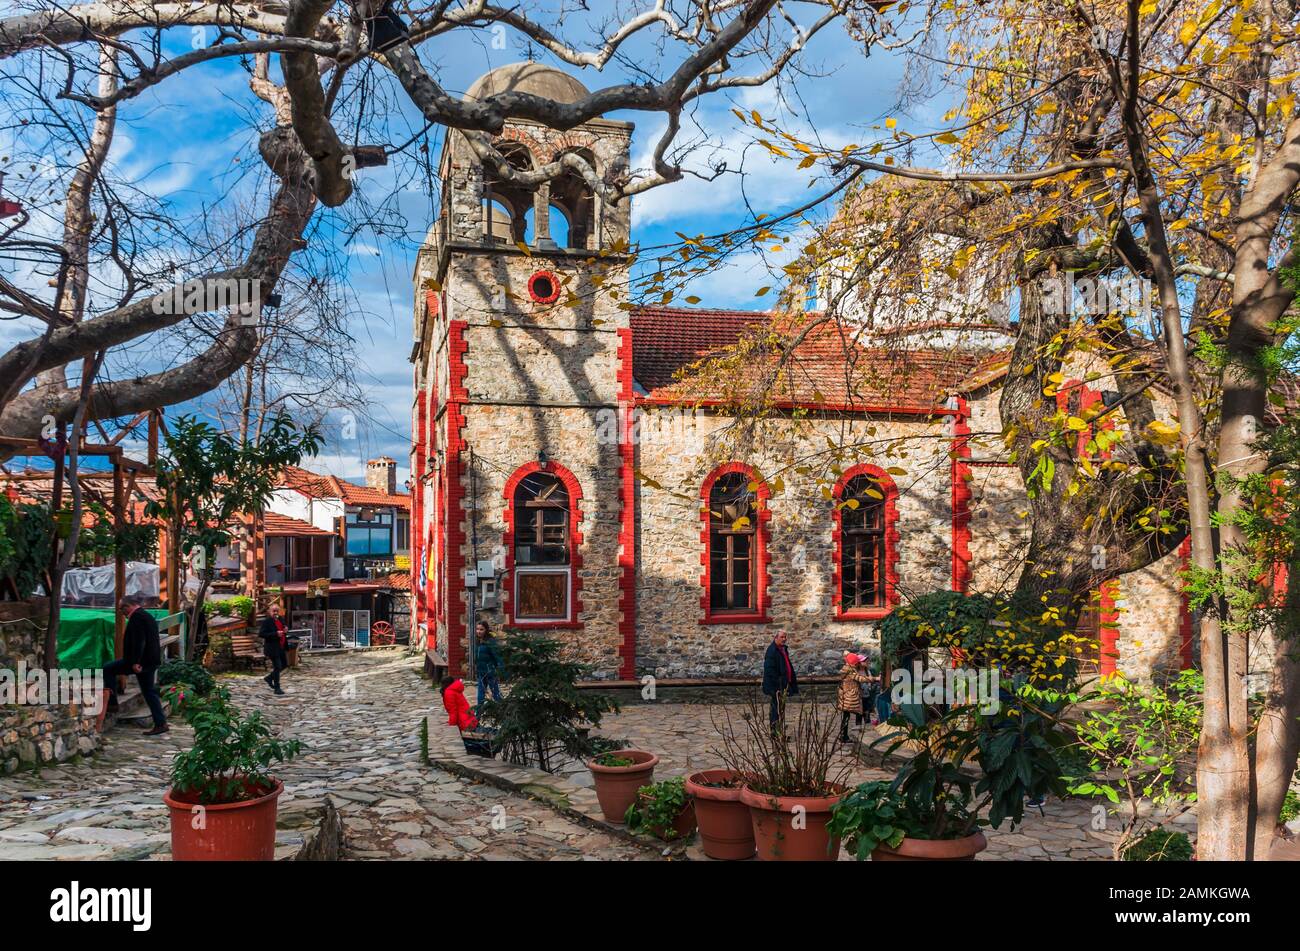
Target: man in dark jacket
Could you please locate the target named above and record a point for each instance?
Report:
(141, 656)
(779, 678)
(274, 645)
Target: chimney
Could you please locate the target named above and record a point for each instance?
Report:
(381, 474)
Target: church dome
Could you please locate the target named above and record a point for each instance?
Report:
(535, 78)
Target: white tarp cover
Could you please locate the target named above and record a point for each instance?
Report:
(82, 584)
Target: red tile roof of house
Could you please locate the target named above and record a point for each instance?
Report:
(830, 367)
(277, 524)
(399, 580)
(319, 486)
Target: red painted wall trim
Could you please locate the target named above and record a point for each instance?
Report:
(1108, 592)
(453, 586)
(574, 488)
(1108, 626)
(763, 557)
(627, 525)
(961, 496)
(890, 491)
(871, 409)
(418, 533)
(1185, 606)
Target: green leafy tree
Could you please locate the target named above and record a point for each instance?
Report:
(1139, 744)
(208, 479)
(544, 713)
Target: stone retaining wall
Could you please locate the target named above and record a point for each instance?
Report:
(34, 735)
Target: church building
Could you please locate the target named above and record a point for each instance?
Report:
(568, 476)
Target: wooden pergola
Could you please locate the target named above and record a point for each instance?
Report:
(125, 472)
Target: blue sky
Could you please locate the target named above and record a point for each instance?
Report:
(187, 142)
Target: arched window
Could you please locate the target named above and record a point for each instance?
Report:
(866, 544)
(541, 543)
(505, 204)
(573, 198)
(735, 540)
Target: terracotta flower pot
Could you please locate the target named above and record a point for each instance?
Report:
(616, 786)
(932, 850)
(726, 831)
(227, 832)
(774, 820)
(683, 827)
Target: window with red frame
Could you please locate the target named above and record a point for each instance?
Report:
(733, 548)
(863, 551)
(542, 557)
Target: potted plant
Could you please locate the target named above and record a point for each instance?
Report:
(664, 810)
(223, 799)
(726, 831)
(931, 810)
(793, 775)
(619, 775)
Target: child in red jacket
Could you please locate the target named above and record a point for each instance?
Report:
(458, 711)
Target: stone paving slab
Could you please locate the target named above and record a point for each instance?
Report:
(358, 716)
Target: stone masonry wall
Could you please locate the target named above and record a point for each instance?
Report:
(672, 641)
(31, 734)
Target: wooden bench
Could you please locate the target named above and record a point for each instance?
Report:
(247, 647)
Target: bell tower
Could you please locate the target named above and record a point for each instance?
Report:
(523, 379)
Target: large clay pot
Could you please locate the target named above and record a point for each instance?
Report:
(616, 786)
(775, 835)
(932, 850)
(227, 832)
(726, 831)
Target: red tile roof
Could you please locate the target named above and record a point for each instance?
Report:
(830, 367)
(332, 487)
(399, 580)
(277, 524)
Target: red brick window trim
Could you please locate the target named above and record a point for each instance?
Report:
(544, 287)
(714, 531)
(573, 541)
(888, 599)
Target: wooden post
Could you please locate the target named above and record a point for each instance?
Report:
(119, 563)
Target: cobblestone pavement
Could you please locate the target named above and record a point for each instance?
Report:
(358, 716)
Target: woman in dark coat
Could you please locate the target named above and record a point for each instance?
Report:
(274, 642)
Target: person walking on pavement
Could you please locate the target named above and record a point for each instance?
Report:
(487, 662)
(141, 657)
(275, 640)
(779, 678)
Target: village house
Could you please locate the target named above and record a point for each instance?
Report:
(571, 474)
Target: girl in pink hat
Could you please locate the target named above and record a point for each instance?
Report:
(849, 698)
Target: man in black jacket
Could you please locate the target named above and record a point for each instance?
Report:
(779, 678)
(141, 656)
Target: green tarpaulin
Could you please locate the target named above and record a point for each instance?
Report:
(86, 636)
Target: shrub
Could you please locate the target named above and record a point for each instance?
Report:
(798, 758)
(190, 673)
(657, 807)
(1290, 807)
(544, 714)
(232, 754)
(239, 606)
(1159, 845)
(985, 632)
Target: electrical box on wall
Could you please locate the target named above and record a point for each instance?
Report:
(487, 593)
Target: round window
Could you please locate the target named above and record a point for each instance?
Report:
(544, 287)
